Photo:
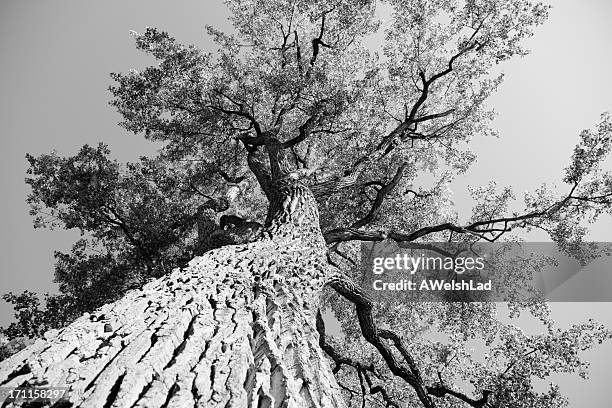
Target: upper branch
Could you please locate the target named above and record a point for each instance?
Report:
(318, 42)
(411, 120)
(381, 194)
(241, 112)
(304, 131)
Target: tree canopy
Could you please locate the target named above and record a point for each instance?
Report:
(297, 90)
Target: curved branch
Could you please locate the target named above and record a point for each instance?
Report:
(304, 132)
(318, 42)
(362, 369)
(369, 330)
(382, 193)
(374, 335)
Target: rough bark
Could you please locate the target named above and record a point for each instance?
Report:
(236, 328)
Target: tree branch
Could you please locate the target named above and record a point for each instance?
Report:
(304, 132)
(369, 330)
(440, 391)
(241, 112)
(479, 228)
(318, 42)
(362, 369)
(382, 193)
(411, 120)
(374, 335)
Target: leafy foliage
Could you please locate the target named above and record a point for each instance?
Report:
(297, 91)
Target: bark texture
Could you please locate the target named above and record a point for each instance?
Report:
(236, 328)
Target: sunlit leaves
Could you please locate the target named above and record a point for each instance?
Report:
(594, 146)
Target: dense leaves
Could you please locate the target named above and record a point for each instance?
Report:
(138, 221)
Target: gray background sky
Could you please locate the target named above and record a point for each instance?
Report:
(55, 57)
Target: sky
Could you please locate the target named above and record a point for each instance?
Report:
(54, 73)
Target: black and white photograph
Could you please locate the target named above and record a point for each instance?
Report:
(306, 203)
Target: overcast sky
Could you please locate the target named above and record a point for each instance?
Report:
(55, 60)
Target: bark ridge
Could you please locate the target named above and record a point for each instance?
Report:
(236, 328)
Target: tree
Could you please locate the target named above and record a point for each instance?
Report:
(296, 122)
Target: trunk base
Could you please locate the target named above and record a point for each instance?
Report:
(234, 329)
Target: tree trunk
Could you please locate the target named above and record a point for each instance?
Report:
(234, 329)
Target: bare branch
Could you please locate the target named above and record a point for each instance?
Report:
(304, 132)
(382, 193)
(363, 371)
(369, 330)
(375, 336)
(440, 391)
(318, 42)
